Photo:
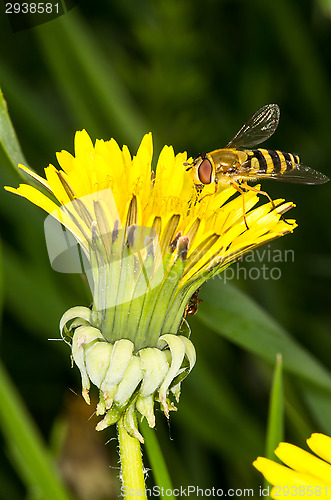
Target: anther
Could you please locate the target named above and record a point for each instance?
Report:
(182, 246)
(173, 244)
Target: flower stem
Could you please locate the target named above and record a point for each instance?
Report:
(133, 483)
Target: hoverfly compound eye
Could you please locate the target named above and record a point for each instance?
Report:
(205, 172)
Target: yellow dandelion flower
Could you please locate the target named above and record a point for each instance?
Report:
(303, 474)
(149, 241)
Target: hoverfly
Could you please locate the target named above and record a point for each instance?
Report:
(232, 166)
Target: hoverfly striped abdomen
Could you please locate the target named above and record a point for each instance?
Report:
(267, 161)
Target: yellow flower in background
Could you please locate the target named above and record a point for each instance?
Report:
(149, 242)
(303, 474)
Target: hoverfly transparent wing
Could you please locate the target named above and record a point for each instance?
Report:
(298, 175)
(301, 175)
(258, 127)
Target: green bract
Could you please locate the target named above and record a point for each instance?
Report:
(128, 380)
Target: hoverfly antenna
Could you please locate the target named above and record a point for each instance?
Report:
(189, 166)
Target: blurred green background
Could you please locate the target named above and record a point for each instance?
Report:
(192, 73)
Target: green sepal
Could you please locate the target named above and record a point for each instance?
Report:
(154, 366)
(75, 313)
(190, 356)
(120, 358)
(130, 422)
(83, 336)
(112, 416)
(177, 348)
(145, 406)
(97, 359)
(129, 383)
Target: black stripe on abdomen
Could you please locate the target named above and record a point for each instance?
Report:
(261, 159)
(275, 160)
(290, 165)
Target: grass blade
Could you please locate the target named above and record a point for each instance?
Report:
(275, 429)
(10, 150)
(232, 314)
(25, 443)
(73, 55)
(155, 456)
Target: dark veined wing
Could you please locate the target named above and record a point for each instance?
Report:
(299, 175)
(258, 127)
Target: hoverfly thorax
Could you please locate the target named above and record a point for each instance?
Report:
(225, 161)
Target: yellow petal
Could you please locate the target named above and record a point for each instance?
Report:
(302, 461)
(56, 185)
(321, 445)
(139, 172)
(166, 177)
(32, 194)
(83, 144)
(65, 160)
(145, 150)
(280, 475)
(105, 168)
(35, 176)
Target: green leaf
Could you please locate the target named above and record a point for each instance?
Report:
(41, 301)
(36, 117)
(10, 150)
(155, 456)
(73, 55)
(1, 282)
(232, 314)
(212, 401)
(26, 445)
(275, 429)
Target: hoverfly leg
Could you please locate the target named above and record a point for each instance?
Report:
(209, 194)
(258, 191)
(264, 193)
(238, 188)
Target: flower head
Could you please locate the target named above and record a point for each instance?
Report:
(303, 472)
(149, 242)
